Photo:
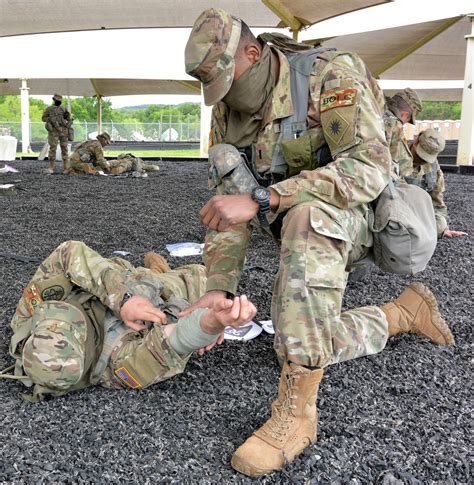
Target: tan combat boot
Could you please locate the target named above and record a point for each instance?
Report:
(416, 311)
(51, 167)
(150, 168)
(65, 166)
(290, 429)
(156, 263)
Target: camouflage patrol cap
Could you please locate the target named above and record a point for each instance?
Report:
(105, 136)
(57, 97)
(410, 96)
(209, 54)
(429, 144)
(54, 355)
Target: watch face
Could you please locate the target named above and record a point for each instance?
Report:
(260, 194)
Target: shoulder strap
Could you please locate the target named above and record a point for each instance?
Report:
(301, 66)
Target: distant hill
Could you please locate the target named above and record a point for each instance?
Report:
(132, 108)
(126, 109)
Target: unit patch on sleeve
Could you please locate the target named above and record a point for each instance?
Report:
(126, 377)
(32, 297)
(336, 98)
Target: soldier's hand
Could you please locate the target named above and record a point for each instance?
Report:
(206, 301)
(138, 309)
(225, 313)
(224, 211)
(450, 233)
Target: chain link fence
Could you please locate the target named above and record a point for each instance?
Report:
(166, 131)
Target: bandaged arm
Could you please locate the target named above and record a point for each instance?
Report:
(188, 335)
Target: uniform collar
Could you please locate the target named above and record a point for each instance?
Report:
(280, 105)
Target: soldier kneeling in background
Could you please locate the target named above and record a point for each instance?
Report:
(88, 156)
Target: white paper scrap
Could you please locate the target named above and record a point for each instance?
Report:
(267, 325)
(246, 332)
(185, 249)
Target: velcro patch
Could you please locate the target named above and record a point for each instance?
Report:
(336, 98)
(126, 377)
(32, 297)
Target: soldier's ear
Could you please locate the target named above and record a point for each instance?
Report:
(253, 52)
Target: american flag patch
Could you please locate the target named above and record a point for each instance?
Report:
(126, 377)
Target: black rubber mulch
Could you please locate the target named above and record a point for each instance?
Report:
(402, 416)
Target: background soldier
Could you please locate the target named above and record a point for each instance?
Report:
(80, 322)
(402, 108)
(57, 122)
(275, 114)
(129, 163)
(88, 156)
(427, 174)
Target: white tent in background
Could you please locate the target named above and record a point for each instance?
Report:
(44, 16)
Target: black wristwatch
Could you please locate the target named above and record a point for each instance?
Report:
(261, 196)
(126, 297)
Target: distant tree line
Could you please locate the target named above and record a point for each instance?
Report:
(85, 109)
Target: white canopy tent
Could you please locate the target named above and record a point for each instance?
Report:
(101, 87)
(45, 16)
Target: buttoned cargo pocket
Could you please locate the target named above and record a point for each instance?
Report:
(327, 250)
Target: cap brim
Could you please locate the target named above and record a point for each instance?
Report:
(219, 87)
(425, 155)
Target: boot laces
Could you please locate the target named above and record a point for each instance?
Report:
(278, 425)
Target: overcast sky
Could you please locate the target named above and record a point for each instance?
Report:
(138, 48)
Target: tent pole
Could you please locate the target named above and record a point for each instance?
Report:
(206, 112)
(25, 117)
(466, 134)
(99, 113)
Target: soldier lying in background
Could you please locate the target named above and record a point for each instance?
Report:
(128, 163)
(86, 320)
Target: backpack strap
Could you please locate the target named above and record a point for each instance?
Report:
(301, 66)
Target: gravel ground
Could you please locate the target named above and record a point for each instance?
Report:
(402, 416)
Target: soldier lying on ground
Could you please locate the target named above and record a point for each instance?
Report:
(129, 163)
(427, 174)
(86, 320)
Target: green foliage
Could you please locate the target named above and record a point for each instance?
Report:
(440, 110)
(85, 109)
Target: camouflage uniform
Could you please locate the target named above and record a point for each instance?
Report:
(57, 122)
(429, 176)
(85, 288)
(398, 144)
(324, 227)
(402, 160)
(327, 158)
(88, 157)
(128, 163)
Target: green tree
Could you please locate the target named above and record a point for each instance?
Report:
(85, 109)
(440, 110)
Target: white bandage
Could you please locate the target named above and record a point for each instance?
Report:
(188, 335)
